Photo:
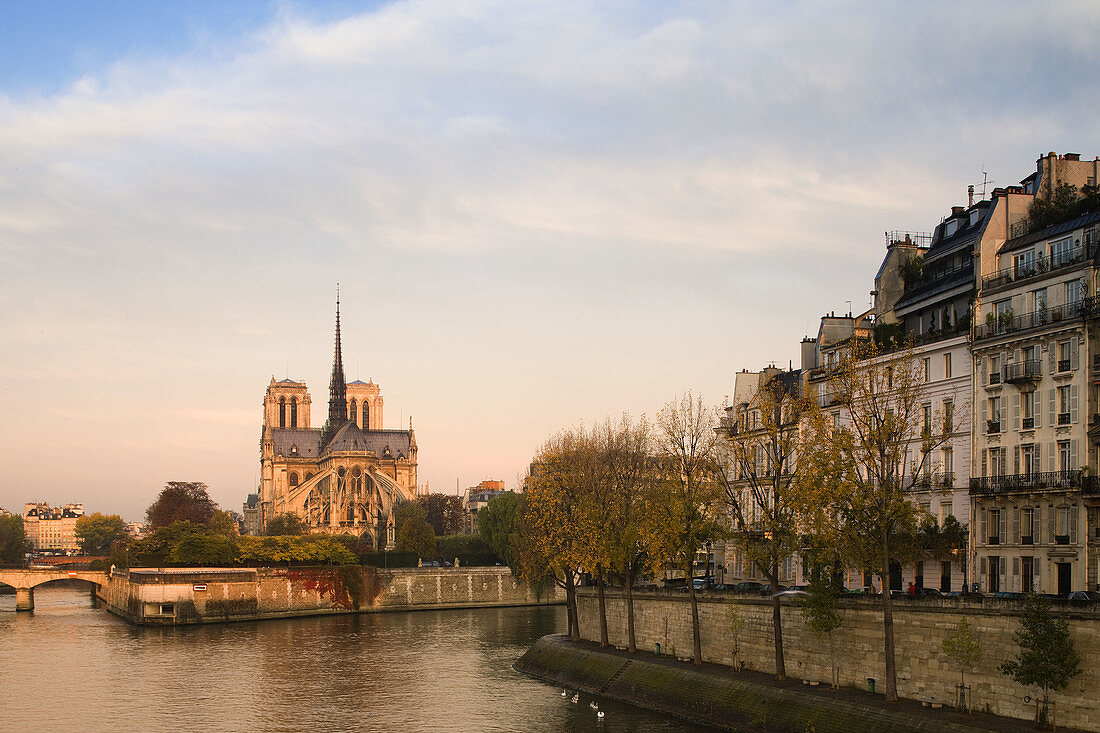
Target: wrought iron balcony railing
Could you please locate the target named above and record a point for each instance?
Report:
(1045, 482)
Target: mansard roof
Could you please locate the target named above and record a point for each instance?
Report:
(306, 440)
(1052, 231)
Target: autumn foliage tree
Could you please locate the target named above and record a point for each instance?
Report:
(686, 512)
(97, 532)
(855, 477)
(757, 466)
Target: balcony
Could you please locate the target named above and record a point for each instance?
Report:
(1063, 418)
(1041, 266)
(992, 427)
(1028, 423)
(994, 378)
(1063, 365)
(1039, 482)
(1061, 539)
(1027, 540)
(1005, 324)
(1023, 371)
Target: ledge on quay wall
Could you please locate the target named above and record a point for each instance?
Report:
(715, 696)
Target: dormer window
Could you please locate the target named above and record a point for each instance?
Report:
(950, 227)
(293, 450)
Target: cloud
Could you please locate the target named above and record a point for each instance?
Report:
(585, 192)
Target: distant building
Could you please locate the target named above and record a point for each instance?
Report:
(137, 530)
(474, 498)
(50, 529)
(251, 513)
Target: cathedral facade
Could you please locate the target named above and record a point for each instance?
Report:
(345, 477)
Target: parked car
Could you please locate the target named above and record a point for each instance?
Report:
(769, 589)
(1084, 595)
(701, 583)
(748, 586)
(1009, 595)
(929, 593)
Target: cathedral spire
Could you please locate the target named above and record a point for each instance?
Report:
(337, 387)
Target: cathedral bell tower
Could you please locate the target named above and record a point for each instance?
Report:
(337, 387)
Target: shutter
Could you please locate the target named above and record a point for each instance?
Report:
(1037, 462)
(1016, 356)
(1036, 564)
(1002, 564)
(985, 463)
(1073, 403)
(1002, 527)
(1053, 416)
(1052, 354)
(985, 416)
(1016, 459)
(1073, 455)
(1016, 574)
(1037, 407)
(1073, 525)
(985, 371)
(1016, 412)
(984, 536)
(1051, 458)
(1073, 357)
(1016, 527)
(983, 561)
(1050, 524)
(1037, 526)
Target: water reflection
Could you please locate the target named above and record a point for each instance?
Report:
(423, 671)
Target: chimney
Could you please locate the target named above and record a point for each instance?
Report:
(809, 353)
(1073, 156)
(970, 195)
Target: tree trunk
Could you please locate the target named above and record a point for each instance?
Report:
(603, 606)
(631, 642)
(888, 627)
(696, 639)
(777, 626)
(571, 604)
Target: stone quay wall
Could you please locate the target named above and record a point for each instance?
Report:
(176, 596)
(920, 626)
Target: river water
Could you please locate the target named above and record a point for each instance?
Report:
(69, 666)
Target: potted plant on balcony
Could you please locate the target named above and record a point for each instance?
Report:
(990, 320)
(1005, 319)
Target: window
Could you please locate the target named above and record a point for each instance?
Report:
(1027, 565)
(1064, 404)
(1037, 300)
(948, 416)
(1073, 291)
(926, 365)
(1029, 459)
(994, 369)
(366, 416)
(1004, 307)
(994, 423)
(995, 569)
(293, 412)
(1064, 356)
(1061, 525)
(1065, 455)
(293, 480)
(1060, 252)
(1027, 526)
(947, 366)
(1029, 403)
(1023, 264)
(353, 412)
(282, 412)
(926, 420)
(996, 461)
(948, 468)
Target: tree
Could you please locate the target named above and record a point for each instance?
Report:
(688, 492)
(405, 512)
(496, 524)
(96, 532)
(285, 524)
(547, 537)
(757, 469)
(181, 501)
(821, 609)
(631, 530)
(224, 524)
(855, 477)
(416, 536)
(444, 512)
(203, 548)
(1046, 658)
(13, 540)
(962, 648)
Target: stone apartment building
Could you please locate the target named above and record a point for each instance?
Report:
(1034, 492)
(51, 529)
(476, 497)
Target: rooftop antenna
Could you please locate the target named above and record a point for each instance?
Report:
(986, 180)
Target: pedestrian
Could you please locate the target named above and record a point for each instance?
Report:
(912, 588)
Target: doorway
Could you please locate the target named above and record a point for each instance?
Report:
(895, 575)
(1064, 574)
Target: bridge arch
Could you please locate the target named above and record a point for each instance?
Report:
(25, 580)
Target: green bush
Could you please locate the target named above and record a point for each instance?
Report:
(389, 559)
(456, 545)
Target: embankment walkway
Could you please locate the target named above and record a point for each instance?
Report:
(717, 696)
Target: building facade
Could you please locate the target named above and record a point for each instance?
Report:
(345, 477)
(476, 497)
(51, 529)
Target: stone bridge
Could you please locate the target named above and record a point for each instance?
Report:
(25, 581)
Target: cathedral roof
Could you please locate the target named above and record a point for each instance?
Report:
(384, 443)
(304, 442)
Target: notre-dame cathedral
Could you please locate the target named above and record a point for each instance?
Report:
(345, 477)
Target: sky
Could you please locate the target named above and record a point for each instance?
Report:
(538, 213)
